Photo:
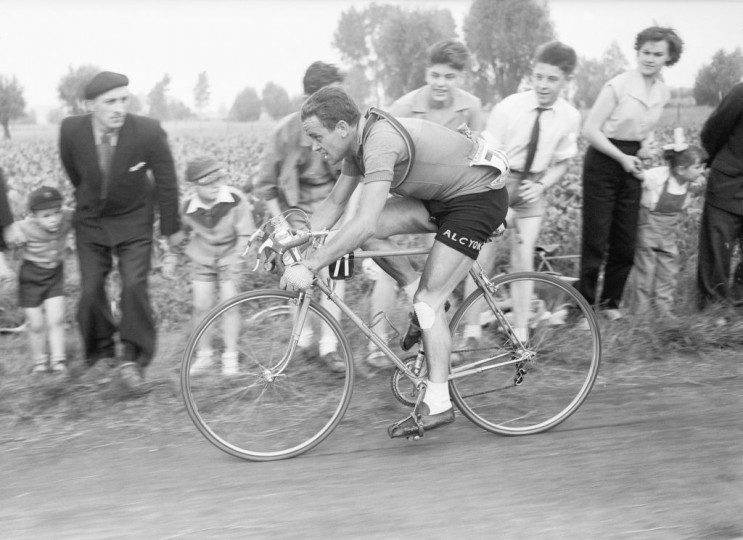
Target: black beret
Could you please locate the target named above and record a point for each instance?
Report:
(201, 170)
(103, 82)
(43, 198)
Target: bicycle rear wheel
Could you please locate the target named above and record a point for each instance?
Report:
(510, 390)
(279, 402)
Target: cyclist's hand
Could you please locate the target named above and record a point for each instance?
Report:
(296, 277)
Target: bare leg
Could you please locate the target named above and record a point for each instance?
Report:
(37, 337)
(54, 308)
(400, 215)
(231, 322)
(444, 269)
(203, 298)
(522, 260)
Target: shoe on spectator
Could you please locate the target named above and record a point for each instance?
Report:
(334, 362)
(408, 427)
(612, 314)
(58, 366)
(40, 366)
(230, 364)
(378, 360)
(131, 376)
(202, 362)
(98, 372)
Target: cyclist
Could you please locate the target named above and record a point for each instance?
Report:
(444, 185)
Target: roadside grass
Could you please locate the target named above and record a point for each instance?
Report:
(33, 407)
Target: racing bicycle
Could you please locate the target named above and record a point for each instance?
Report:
(283, 402)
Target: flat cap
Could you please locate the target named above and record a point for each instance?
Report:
(202, 169)
(43, 198)
(103, 82)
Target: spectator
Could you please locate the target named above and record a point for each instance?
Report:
(7, 229)
(219, 222)
(443, 102)
(109, 155)
(538, 130)
(619, 129)
(293, 176)
(665, 193)
(41, 278)
(722, 218)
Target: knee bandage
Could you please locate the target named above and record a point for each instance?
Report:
(426, 315)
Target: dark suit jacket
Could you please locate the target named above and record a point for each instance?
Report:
(6, 216)
(141, 155)
(722, 138)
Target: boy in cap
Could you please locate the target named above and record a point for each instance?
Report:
(293, 176)
(41, 277)
(121, 167)
(218, 222)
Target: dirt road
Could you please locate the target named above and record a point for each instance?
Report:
(656, 452)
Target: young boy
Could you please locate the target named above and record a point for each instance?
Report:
(218, 221)
(665, 194)
(41, 278)
(538, 130)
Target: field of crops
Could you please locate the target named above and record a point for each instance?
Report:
(30, 159)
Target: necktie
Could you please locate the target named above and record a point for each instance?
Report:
(531, 149)
(105, 154)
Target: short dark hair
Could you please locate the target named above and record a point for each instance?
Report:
(684, 158)
(330, 105)
(658, 33)
(557, 54)
(449, 52)
(320, 74)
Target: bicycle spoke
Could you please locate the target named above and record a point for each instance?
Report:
(260, 413)
(559, 364)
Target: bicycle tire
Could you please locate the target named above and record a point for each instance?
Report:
(259, 414)
(566, 344)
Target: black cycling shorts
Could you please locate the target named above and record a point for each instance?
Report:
(465, 223)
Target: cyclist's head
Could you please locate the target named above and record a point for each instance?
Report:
(557, 54)
(320, 74)
(330, 105)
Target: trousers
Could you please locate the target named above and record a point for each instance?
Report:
(611, 203)
(97, 326)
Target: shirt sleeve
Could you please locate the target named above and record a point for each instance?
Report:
(567, 146)
(267, 185)
(496, 127)
(383, 148)
(722, 121)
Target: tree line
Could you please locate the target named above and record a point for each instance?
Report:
(384, 50)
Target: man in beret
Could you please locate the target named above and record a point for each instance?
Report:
(108, 155)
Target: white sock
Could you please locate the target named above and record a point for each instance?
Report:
(437, 397)
(521, 333)
(306, 336)
(411, 287)
(327, 345)
(472, 331)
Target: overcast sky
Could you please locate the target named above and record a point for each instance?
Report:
(243, 43)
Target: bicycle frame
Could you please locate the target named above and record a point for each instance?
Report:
(519, 354)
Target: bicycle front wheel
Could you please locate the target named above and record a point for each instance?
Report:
(510, 389)
(253, 383)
